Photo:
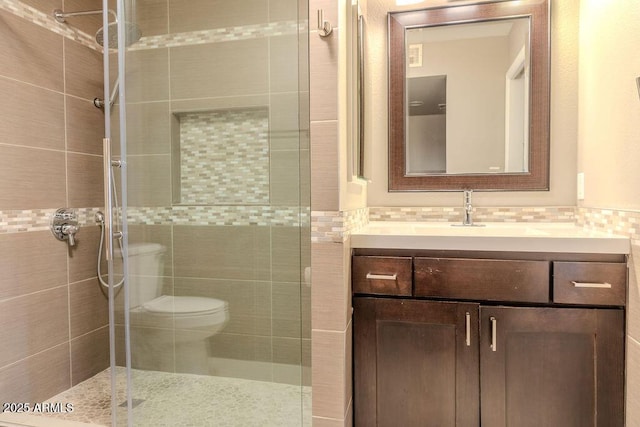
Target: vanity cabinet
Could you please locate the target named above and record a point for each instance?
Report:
(545, 349)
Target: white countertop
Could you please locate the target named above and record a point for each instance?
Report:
(503, 236)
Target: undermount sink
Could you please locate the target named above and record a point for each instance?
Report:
(488, 236)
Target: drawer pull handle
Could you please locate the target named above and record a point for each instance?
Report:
(468, 328)
(494, 333)
(382, 276)
(591, 285)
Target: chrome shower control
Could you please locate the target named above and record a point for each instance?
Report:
(64, 225)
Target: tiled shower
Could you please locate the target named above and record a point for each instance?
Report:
(217, 173)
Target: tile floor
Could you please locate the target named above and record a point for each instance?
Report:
(167, 399)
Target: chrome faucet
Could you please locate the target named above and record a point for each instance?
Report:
(468, 208)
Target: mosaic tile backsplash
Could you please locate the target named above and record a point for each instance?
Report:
(224, 157)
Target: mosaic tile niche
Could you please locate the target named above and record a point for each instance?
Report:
(224, 157)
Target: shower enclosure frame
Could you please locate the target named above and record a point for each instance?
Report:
(116, 216)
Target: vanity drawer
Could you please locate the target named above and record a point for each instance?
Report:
(482, 279)
(595, 283)
(381, 275)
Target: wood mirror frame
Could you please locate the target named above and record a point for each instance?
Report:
(537, 177)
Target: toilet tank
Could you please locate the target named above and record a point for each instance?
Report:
(146, 261)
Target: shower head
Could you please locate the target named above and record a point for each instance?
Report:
(132, 34)
(132, 31)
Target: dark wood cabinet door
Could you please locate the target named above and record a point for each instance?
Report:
(552, 367)
(415, 363)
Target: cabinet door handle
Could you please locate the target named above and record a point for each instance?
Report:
(591, 285)
(494, 333)
(382, 276)
(468, 328)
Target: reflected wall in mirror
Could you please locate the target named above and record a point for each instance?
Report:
(469, 97)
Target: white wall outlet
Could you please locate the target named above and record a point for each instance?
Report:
(580, 185)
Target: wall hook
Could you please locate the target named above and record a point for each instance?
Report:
(324, 27)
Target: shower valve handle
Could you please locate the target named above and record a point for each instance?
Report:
(64, 225)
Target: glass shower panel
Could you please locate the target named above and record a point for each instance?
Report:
(217, 213)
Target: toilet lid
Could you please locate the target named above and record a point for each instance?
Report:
(171, 304)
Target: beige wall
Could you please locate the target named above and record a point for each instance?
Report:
(609, 136)
(564, 55)
(52, 312)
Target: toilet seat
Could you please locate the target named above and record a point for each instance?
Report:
(184, 305)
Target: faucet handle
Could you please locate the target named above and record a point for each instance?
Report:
(64, 225)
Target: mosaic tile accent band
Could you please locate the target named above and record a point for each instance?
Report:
(18, 221)
(217, 35)
(48, 22)
(625, 223)
(21, 221)
(221, 215)
(335, 227)
(224, 157)
(491, 214)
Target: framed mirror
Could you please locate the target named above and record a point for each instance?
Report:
(469, 97)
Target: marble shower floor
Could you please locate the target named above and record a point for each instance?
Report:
(166, 399)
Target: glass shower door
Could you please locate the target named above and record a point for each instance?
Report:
(215, 196)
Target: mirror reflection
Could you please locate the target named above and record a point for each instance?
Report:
(467, 109)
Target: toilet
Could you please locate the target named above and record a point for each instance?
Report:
(169, 333)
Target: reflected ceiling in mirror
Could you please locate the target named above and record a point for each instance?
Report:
(469, 97)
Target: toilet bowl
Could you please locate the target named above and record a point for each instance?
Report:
(167, 330)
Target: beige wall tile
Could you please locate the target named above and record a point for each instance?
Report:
(31, 262)
(22, 124)
(148, 75)
(162, 234)
(33, 323)
(328, 374)
(305, 177)
(241, 347)
(85, 126)
(152, 17)
(284, 177)
(286, 310)
(85, 180)
(30, 53)
(325, 176)
(31, 178)
(331, 305)
(249, 302)
(152, 349)
(348, 377)
(149, 180)
(285, 254)
(323, 75)
(328, 422)
(37, 378)
(89, 24)
(207, 104)
(633, 304)
(283, 63)
(283, 10)
(83, 257)
(89, 307)
(287, 350)
(148, 128)
(222, 252)
(194, 15)
(633, 383)
(89, 355)
(283, 121)
(220, 69)
(83, 71)
(45, 6)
